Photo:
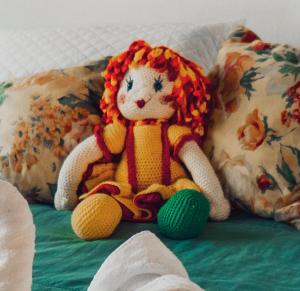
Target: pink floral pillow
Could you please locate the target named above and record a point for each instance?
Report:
(254, 139)
(42, 118)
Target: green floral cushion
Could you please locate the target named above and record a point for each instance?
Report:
(42, 118)
(254, 139)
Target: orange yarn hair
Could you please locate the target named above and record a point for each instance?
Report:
(190, 92)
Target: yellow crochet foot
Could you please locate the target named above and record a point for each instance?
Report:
(96, 217)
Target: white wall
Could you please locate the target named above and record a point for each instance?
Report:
(275, 20)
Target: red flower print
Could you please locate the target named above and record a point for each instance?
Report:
(260, 46)
(264, 182)
(296, 115)
(285, 119)
(292, 114)
(294, 92)
(249, 36)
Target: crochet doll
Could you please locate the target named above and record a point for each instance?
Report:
(155, 107)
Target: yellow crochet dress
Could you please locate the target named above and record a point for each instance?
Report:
(148, 173)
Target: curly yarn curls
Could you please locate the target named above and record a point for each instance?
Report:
(190, 92)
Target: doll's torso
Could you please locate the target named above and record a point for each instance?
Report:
(147, 157)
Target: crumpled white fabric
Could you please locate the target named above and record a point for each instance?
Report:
(17, 235)
(142, 263)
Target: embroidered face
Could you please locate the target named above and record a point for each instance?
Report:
(145, 83)
(145, 94)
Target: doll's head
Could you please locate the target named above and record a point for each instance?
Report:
(145, 84)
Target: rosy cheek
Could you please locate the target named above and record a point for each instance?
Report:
(122, 98)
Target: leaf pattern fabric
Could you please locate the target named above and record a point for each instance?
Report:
(42, 118)
(254, 136)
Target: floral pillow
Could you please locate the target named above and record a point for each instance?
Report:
(42, 118)
(254, 139)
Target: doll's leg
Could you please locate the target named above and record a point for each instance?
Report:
(99, 213)
(96, 217)
(185, 214)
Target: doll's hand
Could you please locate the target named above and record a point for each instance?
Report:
(65, 200)
(219, 210)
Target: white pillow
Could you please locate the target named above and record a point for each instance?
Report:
(28, 51)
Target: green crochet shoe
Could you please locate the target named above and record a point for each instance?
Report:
(184, 215)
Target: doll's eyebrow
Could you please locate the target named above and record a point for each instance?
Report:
(129, 79)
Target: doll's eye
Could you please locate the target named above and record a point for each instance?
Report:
(129, 82)
(157, 85)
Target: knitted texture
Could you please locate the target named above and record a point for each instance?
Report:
(142, 206)
(184, 215)
(148, 149)
(96, 217)
(162, 68)
(142, 89)
(155, 104)
(95, 174)
(114, 137)
(72, 171)
(204, 175)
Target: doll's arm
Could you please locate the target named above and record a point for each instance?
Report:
(203, 175)
(72, 171)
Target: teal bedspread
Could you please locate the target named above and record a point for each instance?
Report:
(243, 253)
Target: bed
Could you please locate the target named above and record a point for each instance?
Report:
(243, 253)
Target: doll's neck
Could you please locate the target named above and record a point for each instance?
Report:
(148, 122)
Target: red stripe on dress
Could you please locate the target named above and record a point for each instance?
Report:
(183, 140)
(166, 159)
(82, 188)
(132, 180)
(98, 132)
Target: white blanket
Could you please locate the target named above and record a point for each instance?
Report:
(17, 233)
(142, 263)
